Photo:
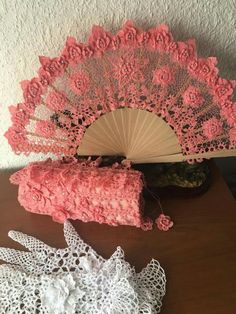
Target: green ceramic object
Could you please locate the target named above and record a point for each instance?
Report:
(178, 174)
(180, 178)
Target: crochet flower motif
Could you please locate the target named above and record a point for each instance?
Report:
(45, 128)
(208, 70)
(203, 69)
(160, 37)
(54, 66)
(223, 89)
(18, 116)
(163, 76)
(100, 39)
(73, 50)
(87, 51)
(32, 90)
(29, 107)
(147, 224)
(193, 66)
(229, 112)
(185, 51)
(115, 42)
(172, 47)
(143, 38)
(164, 222)
(15, 137)
(61, 295)
(33, 198)
(44, 78)
(79, 82)
(128, 68)
(212, 128)
(60, 215)
(192, 96)
(56, 101)
(128, 34)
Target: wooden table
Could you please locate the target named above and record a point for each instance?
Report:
(198, 254)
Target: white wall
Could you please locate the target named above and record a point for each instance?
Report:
(29, 28)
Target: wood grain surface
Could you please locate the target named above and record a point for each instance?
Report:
(198, 254)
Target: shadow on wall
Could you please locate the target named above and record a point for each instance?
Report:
(227, 168)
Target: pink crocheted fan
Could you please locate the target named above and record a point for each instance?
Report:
(137, 93)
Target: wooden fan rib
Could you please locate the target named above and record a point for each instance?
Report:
(157, 153)
(171, 145)
(120, 128)
(144, 132)
(123, 130)
(116, 130)
(98, 136)
(95, 147)
(147, 134)
(134, 128)
(107, 135)
(163, 133)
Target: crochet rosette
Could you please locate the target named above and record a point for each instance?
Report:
(75, 280)
(133, 68)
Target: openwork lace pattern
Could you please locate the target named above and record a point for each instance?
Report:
(79, 189)
(133, 68)
(75, 280)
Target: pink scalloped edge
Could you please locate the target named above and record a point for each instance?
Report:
(157, 38)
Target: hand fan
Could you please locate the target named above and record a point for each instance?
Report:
(138, 94)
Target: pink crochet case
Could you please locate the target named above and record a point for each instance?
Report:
(80, 189)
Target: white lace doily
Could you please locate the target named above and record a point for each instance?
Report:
(75, 280)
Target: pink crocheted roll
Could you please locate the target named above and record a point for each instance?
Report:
(78, 189)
